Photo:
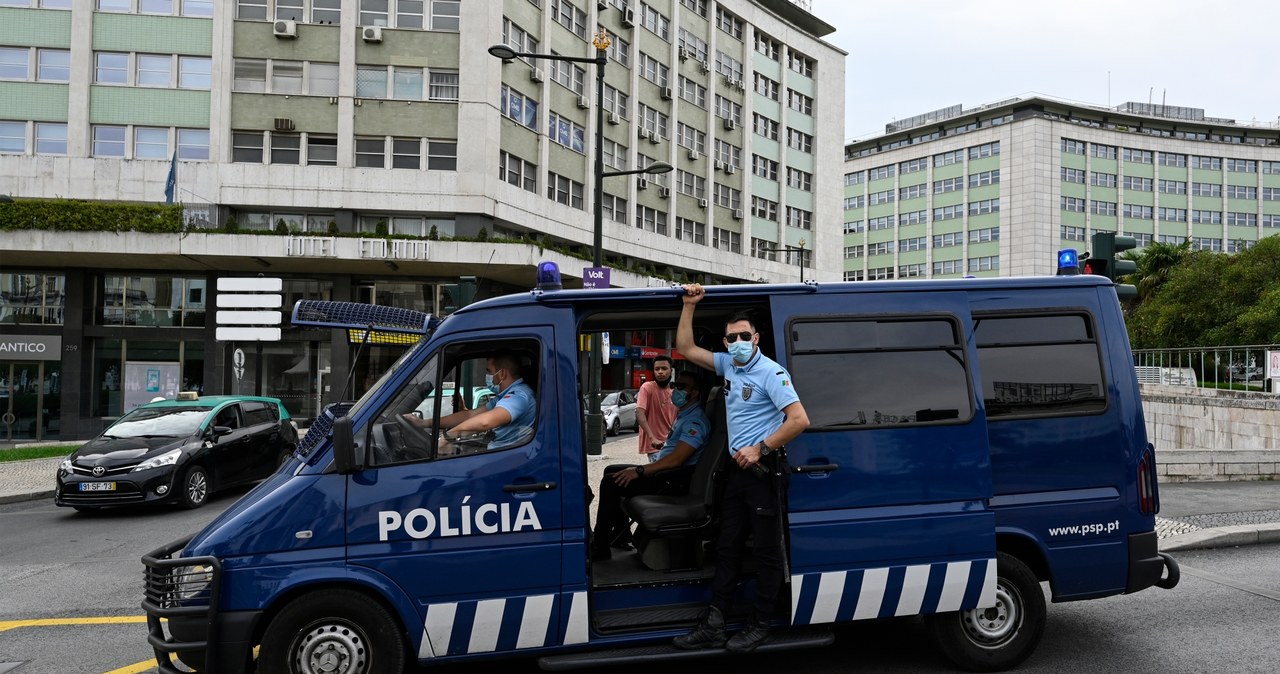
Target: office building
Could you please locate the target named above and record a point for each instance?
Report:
(374, 151)
(997, 190)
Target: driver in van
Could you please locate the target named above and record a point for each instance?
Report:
(510, 413)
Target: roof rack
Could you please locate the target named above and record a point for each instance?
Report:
(358, 316)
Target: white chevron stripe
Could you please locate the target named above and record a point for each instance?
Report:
(953, 586)
(533, 624)
(988, 597)
(436, 630)
(487, 624)
(576, 633)
(797, 583)
(913, 587)
(872, 593)
(830, 590)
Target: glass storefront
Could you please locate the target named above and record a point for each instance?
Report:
(152, 300)
(30, 400)
(32, 298)
(118, 363)
(295, 372)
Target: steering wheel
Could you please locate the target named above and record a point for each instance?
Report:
(412, 443)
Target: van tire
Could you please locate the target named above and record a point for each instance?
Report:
(344, 623)
(998, 638)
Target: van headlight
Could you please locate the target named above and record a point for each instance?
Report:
(190, 582)
(169, 458)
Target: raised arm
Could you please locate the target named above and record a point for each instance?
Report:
(693, 294)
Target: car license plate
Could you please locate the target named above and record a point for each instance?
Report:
(97, 486)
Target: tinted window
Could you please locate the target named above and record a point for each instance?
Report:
(1038, 365)
(258, 413)
(880, 372)
(228, 417)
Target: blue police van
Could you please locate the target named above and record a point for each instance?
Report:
(971, 442)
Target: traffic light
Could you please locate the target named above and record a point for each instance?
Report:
(1104, 261)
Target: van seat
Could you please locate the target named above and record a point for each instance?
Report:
(671, 516)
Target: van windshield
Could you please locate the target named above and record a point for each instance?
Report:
(408, 356)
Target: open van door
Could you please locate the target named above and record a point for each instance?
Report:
(889, 485)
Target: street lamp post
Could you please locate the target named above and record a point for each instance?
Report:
(595, 420)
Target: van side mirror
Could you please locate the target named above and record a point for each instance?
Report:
(344, 447)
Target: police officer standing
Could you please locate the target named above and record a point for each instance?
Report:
(763, 414)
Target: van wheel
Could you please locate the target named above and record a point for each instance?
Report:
(337, 631)
(997, 638)
(195, 488)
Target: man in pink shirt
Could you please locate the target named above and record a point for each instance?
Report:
(654, 412)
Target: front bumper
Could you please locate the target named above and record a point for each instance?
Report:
(195, 624)
(141, 487)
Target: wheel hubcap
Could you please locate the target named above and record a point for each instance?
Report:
(197, 487)
(994, 626)
(332, 649)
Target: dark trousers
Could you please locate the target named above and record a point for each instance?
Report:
(751, 505)
(613, 526)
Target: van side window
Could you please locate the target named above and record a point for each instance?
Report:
(256, 414)
(880, 372)
(1039, 365)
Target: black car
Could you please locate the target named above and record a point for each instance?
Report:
(178, 451)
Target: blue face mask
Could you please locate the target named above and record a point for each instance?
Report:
(488, 381)
(741, 351)
(679, 398)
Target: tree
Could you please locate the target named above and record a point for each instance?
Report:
(1155, 263)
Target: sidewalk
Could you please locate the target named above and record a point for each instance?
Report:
(1192, 514)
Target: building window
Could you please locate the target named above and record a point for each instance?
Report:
(801, 180)
(255, 10)
(799, 218)
(195, 72)
(691, 230)
(881, 172)
(726, 240)
(619, 49)
(766, 87)
(854, 226)
(984, 178)
(32, 298)
(1137, 212)
(1242, 219)
(855, 178)
(1072, 146)
(799, 63)
(1102, 207)
(728, 66)
(193, 144)
(1137, 184)
(693, 92)
(1102, 179)
(947, 240)
(914, 243)
(406, 83)
(286, 148)
(615, 207)
(1171, 159)
(322, 150)
(948, 158)
(765, 127)
(799, 102)
(1242, 192)
(728, 154)
(569, 16)
(1206, 218)
(111, 68)
(108, 141)
(1206, 189)
(728, 23)
(653, 70)
(150, 143)
(371, 152)
(406, 153)
(948, 212)
(726, 196)
(1137, 156)
(1207, 163)
(1172, 214)
(653, 20)
(566, 132)
(1242, 166)
(1173, 187)
(568, 192)
(989, 263)
(371, 82)
(691, 184)
(518, 172)
(984, 235)
(1102, 151)
(568, 75)
(520, 108)
(1070, 175)
(691, 46)
(51, 138)
(246, 147)
(651, 220)
(326, 11)
(985, 150)
(764, 208)
(52, 65)
(854, 252)
(984, 206)
(764, 167)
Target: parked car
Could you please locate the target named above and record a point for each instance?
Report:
(178, 451)
(619, 410)
(478, 397)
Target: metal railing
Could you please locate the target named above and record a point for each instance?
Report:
(1226, 367)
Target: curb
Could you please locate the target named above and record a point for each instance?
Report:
(1222, 537)
(19, 498)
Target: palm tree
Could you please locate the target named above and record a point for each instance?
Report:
(1155, 262)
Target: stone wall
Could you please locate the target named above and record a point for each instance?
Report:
(1209, 434)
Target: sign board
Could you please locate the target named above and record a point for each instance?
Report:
(225, 334)
(595, 277)
(145, 381)
(30, 347)
(1273, 365)
(241, 297)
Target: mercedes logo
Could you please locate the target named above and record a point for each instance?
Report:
(99, 471)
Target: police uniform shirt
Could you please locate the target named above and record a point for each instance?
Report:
(518, 401)
(755, 395)
(691, 427)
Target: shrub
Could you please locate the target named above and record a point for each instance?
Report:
(67, 215)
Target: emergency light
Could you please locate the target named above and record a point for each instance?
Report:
(1068, 262)
(548, 276)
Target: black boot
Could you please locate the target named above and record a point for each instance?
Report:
(755, 633)
(708, 634)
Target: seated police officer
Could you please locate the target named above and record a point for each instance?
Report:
(668, 474)
(510, 414)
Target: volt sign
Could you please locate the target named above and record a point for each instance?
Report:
(249, 309)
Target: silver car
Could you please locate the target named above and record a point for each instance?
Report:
(619, 410)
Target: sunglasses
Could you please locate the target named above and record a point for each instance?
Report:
(680, 387)
(735, 336)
